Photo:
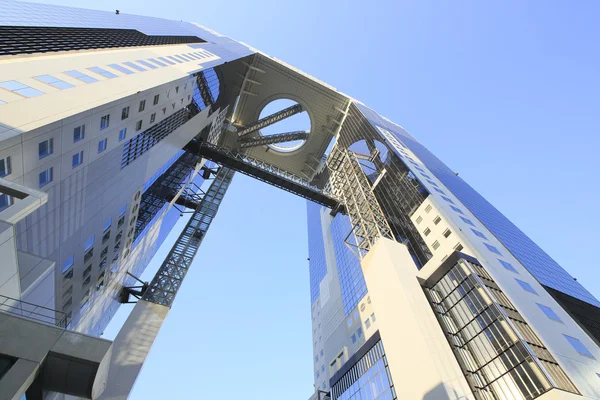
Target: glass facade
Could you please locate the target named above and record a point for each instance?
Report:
(316, 249)
(368, 379)
(541, 265)
(352, 280)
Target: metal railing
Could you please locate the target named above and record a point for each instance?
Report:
(34, 312)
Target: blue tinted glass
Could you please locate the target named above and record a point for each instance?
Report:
(45, 177)
(102, 145)
(155, 61)
(57, 83)
(477, 233)
(29, 92)
(123, 209)
(578, 346)
(317, 265)
(175, 59)
(67, 264)
(432, 182)
(12, 85)
(447, 199)
(122, 134)
(147, 64)
(166, 60)
(107, 224)
(458, 210)
(62, 85)
(492, 249)
(89, 243)
(439, 190)
(82, 77)
(549, 312)
(121, 69)
(103, 72)
(526, 286)
(467, 221)
(77, 159)
(134, 66)
(45, 78)
(508, 266)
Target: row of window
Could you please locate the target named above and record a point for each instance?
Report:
(151, 63)
(575, 343)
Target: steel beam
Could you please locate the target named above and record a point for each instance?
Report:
(170, 275)
(265, 172)
(271, 119)
(273, 139)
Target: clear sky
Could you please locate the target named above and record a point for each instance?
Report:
(506, 93)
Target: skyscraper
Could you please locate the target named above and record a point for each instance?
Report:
(110, 125)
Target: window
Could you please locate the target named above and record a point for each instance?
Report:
(578, 346)
(432, 183)
(102, 145)
(439, 190)
(78, 133)
(142, 105)
(107, 224)
(138, 125)
(103, 72)
(125, 113)
(373, 317)
(353, 338)
(368, 323)
(322, 354)
(122, 134)
(135, 66)
(447, 199)
(176, 89)
(87, 281)
(174, 58)
(82, 77)
(45, 177)
(20, 89)
(87, 271)
(104, 122)
(52, 81)
(147, 64)
(164, 110)
(4, 167)
(437, 220)
(359, 332)
(479, 234)
(508, 266)
(182, 57)
(427, 231)
(419, 219)
(458, 210)
(68, 276)
(428, 208)
(77, 159)
(155, 61)
(526, 286)
(45, 148)
(316, 358)
(167, 61)
(120, 68)
(106, 236)
(89, 243)
(155, 102)
(458, 247)
(5, 201)
(492, 249)
(447, 233)
(84, 305)
(435, 245)
(549, 312)
(467, 221)
(152, 117)
(68, 264)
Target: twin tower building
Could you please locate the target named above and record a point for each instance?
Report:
(109, 125)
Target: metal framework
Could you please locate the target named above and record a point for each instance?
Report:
(265, 172)
(165, 188)
(273, 139)
(351, 186)
(270, 119)
(204, 90)
(216, 128)
(167, 281)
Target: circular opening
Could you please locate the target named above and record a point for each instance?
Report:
(296, 123)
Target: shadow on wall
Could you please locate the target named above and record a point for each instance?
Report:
(440, 392)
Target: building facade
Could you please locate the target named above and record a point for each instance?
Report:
(111, 123)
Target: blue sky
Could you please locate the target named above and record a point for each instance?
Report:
(506, 93)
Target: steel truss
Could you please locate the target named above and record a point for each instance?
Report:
(167, 281)
(204, 90)
(270, 119)
(165, 188)
(273, 139)
(265, 172)
(351, 186)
